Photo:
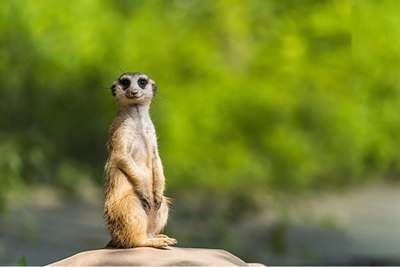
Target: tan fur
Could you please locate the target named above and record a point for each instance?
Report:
(135, 208)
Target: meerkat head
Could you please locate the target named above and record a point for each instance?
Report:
(133, 88)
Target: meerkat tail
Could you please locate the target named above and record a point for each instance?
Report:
(110, 245)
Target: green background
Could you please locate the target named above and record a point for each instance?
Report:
(254, 97)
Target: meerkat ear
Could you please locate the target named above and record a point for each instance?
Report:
(113, 89)
(154, 89)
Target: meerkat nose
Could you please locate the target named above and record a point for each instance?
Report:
(130, 94)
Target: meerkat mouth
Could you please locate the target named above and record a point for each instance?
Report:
(131, 95)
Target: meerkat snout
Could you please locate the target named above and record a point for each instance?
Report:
(131, 93)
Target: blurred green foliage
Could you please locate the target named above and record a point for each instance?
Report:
(253, 95)
(22, 261)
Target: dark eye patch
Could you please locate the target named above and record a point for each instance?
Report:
(142, 82)
(125, 83)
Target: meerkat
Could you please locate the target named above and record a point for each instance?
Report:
(135, 208)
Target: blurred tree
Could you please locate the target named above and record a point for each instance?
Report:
(252, 94)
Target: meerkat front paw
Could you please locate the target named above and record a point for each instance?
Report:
(146, 203)
(158, 198)
(145, 199)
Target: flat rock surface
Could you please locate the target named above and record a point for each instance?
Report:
(171, 256)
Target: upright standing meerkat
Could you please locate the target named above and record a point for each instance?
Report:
(135, 207)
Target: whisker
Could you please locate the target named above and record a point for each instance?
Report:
(121, 70)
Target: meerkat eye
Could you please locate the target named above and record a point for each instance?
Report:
(142, 82)
(125, 83)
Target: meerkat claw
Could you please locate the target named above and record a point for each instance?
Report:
(146, 203)
(158, 200)
(158, 204)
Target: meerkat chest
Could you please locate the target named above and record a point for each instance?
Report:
(142, 148)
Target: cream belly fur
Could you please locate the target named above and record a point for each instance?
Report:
(135, 207)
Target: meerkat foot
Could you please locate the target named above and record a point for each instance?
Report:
(158, 242)
(161, 236)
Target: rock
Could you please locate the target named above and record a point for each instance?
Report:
(171, 256)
